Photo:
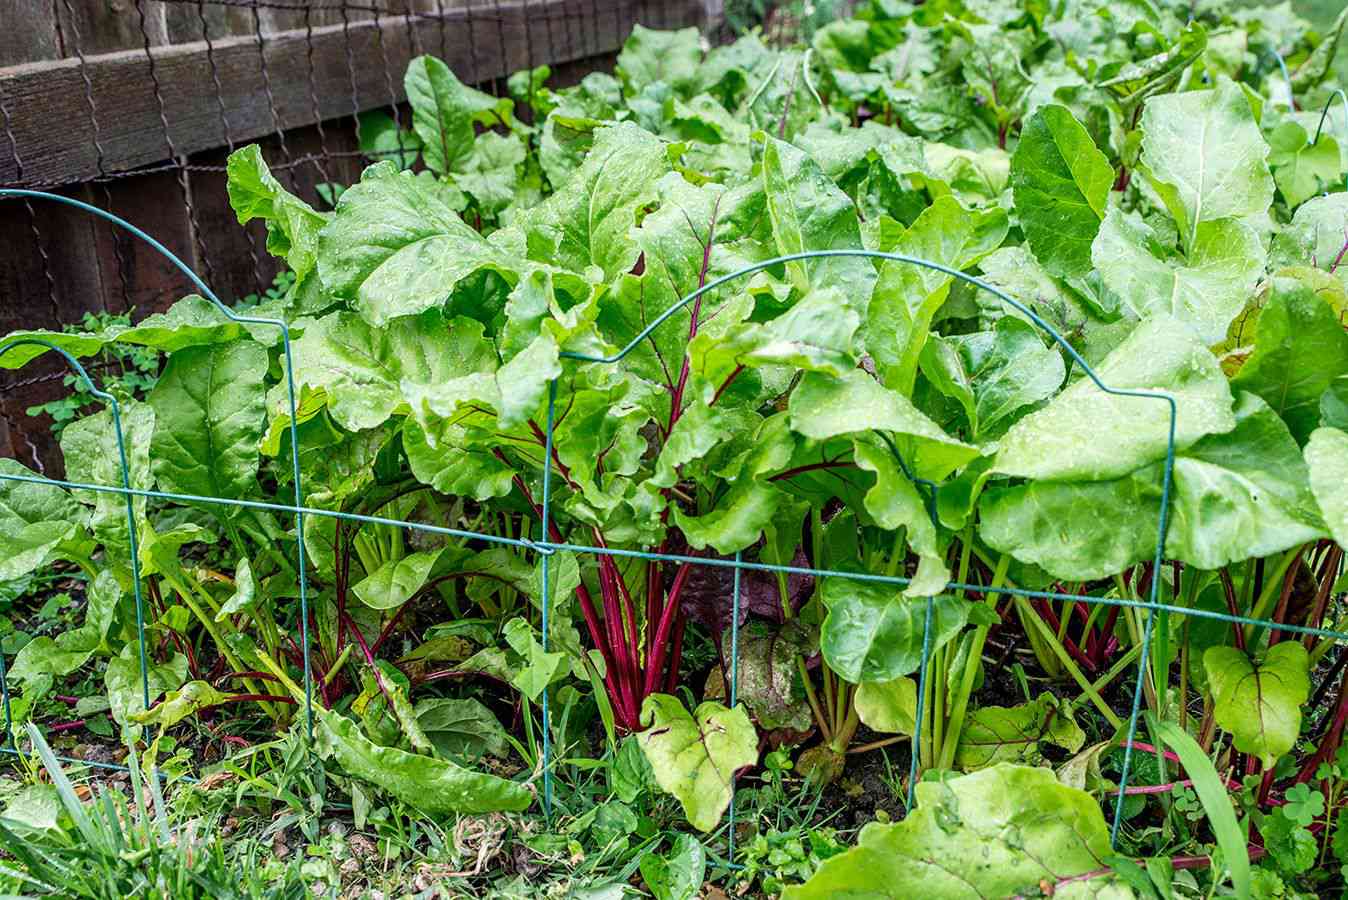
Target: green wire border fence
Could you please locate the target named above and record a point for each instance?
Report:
(546, 548)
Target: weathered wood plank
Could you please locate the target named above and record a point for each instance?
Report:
(131, 133)
(29, 32)
(187, 22)
(91, 27)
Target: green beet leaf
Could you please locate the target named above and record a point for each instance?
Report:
(1241, 494)
(1259, 703)
(590, 219)
(444, 111)
(1301, 169)
(292, 225)
(394, 247)
(694, 756)
(1327, 458)
(1300, 348)
(367, 372)
(35, 519)
(1087, 434)
(822, 407)
(908, 296)
(809, 213)
(44, 658)
(1060, 181)
(89, 447)
(995, 734)
(889, 707)
(649, 56)
(1205, 156)
(994, 374)
(461, 727)
(434, 786)
(999, 832)
(209, 407)
(396, 581)
(1236, 494)
(1204, 290)
(874, 633)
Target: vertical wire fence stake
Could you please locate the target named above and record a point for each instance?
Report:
(545, 601)
(734, 686)
(135, 548)
(921, 696)
(1142, 660)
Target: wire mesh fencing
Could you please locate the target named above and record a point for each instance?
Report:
(309, 171)
(550, 541)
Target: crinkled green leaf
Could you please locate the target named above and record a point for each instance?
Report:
(737, 520)
(89, 448)
(1300, 347)
(590, 218)
(177, 705)
(444, 111)
(908, 296)
(35, 519)
(395, 248)
(808, 212)
(894, 502)
(994, 374)
(366, 372)
(1327, 459)
(461, 727)
(823, 407)
(995, 734)
(1205, 290)
(292, 225)
(649, 56)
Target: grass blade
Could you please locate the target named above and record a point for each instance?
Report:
(1216, 802)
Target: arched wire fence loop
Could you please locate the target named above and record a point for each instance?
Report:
(1342, 97)
(1075, 357)
(284, 330)
(114, 409)
(546, 547)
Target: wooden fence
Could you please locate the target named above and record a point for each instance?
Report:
(133, 105)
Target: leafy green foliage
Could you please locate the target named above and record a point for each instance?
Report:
(997, 832)
(695, 756)
(1135, 175)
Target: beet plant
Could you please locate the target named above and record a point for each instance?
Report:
(1072, 339)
